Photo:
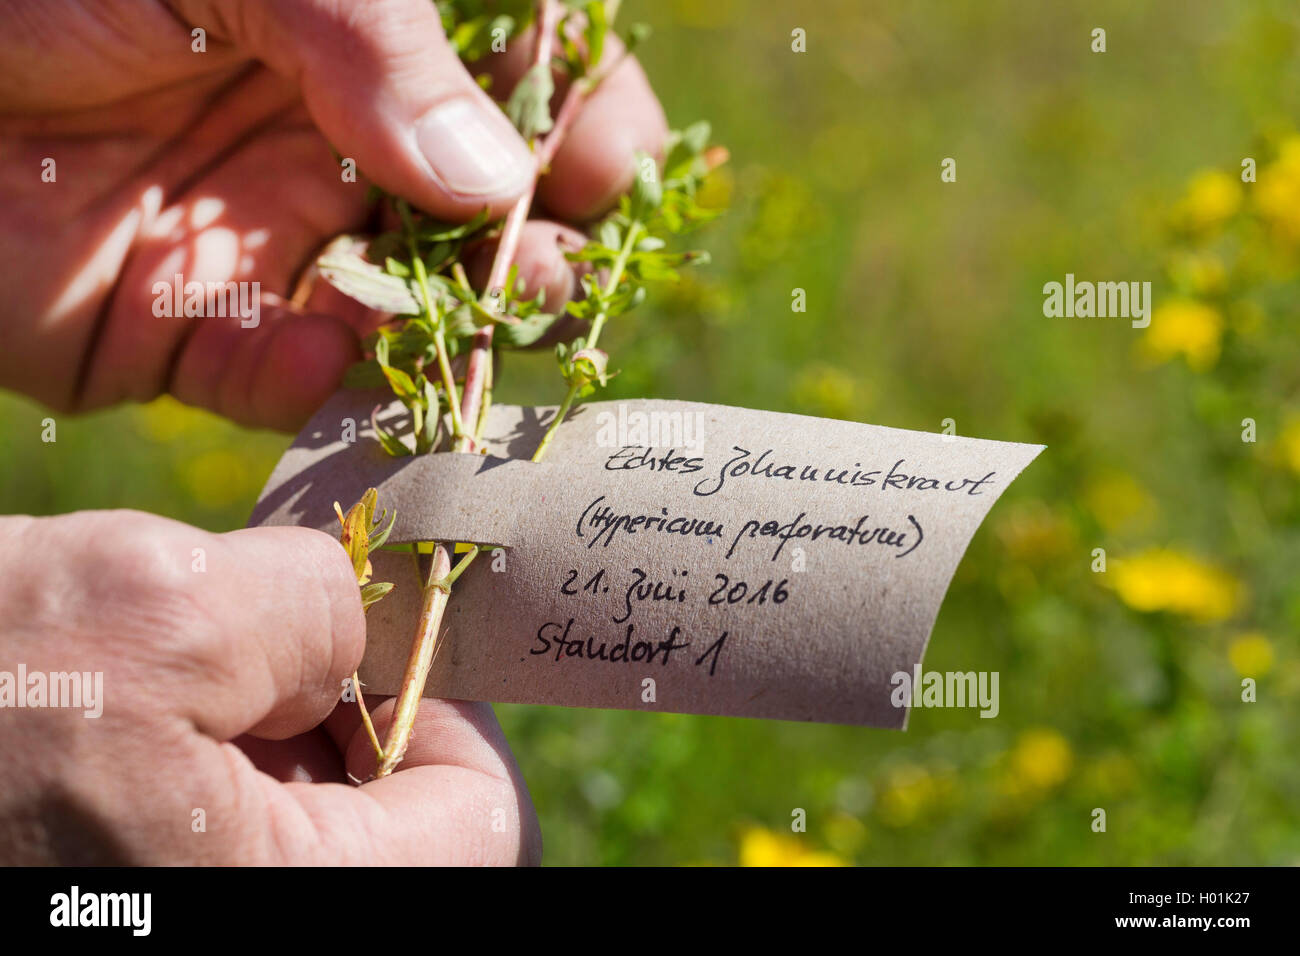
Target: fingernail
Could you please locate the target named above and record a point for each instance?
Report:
(473, 149)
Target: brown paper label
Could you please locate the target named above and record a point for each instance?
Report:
(666, 555)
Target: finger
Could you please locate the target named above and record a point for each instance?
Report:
(597, 158)
(291, 612)
(273, 376)
(541, 261)
(240, 348)
(385, 87)
(307, 758)
(252, 631)
(457, 796)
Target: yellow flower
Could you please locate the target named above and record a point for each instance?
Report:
(1167, 580)
(1117, 499)
(1289, 444)
(1039, 762)
(762, 847)
(909, 793)
(1277, 195)
(1251, 654)
(1041, 758)
(1213, 197)
(1188, 328)
(165, 419)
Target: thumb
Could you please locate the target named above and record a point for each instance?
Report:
(386, 89)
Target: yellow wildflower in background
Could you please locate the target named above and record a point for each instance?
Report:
(1288, 444)
(762, 847)
(909, 793)
(165, 419)
(1162, 579)
(1042, 758)
(1116, 499)
(1039, 762)
(1187, 328)
(1213, 197)
(1251, 654)
(1277, 194)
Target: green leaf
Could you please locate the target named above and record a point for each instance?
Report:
(597, 27)
(529, 106)
(459, 322)
(647, 190)
(610, 235)
(526, 331)
(374, 592)
(390, 443)
(637, 34)
(402, 385)
(368, 283)
(432, 230)
(378, 537)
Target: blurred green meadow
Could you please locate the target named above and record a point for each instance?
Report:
(1120, 690)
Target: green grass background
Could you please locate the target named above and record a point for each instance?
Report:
(924, 303)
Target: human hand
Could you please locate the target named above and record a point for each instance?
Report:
(221, 655)
(215, 166)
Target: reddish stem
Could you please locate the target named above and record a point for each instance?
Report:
(569, 109)
(480, 355)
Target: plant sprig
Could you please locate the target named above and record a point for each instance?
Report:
(436, 354)
(360, 535)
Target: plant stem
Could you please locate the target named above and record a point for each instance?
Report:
(597, 324)
(485, 407)
(461, 565)
(480, 355)
(436, 592)
(551, 429)
(439, 341)
(472, 405)
(365, 717)
(569, 109)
